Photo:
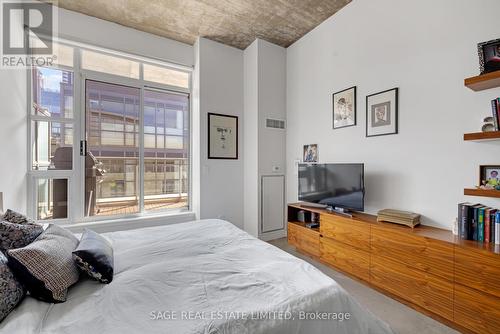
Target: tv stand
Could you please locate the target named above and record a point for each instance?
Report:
(454, 281)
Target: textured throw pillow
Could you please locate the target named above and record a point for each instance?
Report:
(14, 235)
(94, 256)
(12, 216)
(11, 291)
(46, 267)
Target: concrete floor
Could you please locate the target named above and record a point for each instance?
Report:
(401, 318)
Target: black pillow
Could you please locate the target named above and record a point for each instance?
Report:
(94, 256)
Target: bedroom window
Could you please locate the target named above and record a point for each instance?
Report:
(110, 136)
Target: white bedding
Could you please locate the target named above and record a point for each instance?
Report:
(209, 275)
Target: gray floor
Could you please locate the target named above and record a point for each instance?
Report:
(401, 318)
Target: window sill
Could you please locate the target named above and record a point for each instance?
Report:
(132, 223)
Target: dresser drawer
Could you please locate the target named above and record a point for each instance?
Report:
(346, 258)
(478, 269)
(304, 239)
(428, 255)
(477, 311)
(348, 231)
(423, 289)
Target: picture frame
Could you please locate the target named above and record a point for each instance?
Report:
(490, 174)
(344, 108)
(382, 110)
(489, 56)
(310, 153)
(222, 136)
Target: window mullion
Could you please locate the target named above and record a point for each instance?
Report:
(141, 152)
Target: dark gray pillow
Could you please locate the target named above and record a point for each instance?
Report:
(11, 291)
(94, 256)
(46, 267)
(13, 235)
(12, 216)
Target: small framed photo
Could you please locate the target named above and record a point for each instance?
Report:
(222, 136)
(311, 153)
(489, 56)
(489, 176)
(382, 113)
(344, 108)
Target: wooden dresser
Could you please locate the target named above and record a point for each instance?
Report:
(454, 281)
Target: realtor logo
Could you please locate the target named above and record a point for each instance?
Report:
(28, 29)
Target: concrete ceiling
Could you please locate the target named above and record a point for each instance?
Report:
(233, 22)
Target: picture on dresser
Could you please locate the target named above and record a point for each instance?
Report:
(382, 113)
(344, 108)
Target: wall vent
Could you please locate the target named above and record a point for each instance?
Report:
(275, 123)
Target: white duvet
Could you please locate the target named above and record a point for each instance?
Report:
(200, 277)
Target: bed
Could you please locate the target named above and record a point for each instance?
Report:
(204, 276)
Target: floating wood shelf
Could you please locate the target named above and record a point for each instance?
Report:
(482, 192)
(484, 81)
(493, 135)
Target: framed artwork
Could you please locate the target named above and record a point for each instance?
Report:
(489, 175)
(222, 136)
(311, 153)
(344, 108)
(382, 113)
(489, 56)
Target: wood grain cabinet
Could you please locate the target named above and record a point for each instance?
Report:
(454, 281)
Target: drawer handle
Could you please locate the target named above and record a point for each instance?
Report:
(321, 235)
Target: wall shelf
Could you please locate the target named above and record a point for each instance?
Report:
(493, 135)
(482, 193)
(484, 81)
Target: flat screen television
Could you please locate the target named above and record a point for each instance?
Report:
(335, 185)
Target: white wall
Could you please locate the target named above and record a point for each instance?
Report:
(426, 48)
(88, 29)
(264, 148)
(251, 139)
(13, 90)
(220, 76)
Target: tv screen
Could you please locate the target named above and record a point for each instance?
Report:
(335, 185)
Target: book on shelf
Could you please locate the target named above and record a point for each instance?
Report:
(495, 111)
(497, 227)
(479, 223)
(487, 224)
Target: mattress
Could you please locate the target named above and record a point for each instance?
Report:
(205, 276)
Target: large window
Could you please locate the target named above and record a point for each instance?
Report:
(110, 136)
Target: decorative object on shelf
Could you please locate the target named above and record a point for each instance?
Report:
(407, 218)
(382, 113)
(488, 124)
(489, 56)
(344, 108)
(222, 136)
(489, 176)
(311, 153)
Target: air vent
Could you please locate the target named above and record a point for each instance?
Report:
(275, 123)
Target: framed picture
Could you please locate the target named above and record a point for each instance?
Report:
(311, 153)
(489, 56)
(489, 175)
(382, 113)
(222, 136)
(344, 108)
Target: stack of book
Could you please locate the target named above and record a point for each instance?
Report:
(495, 110)
(399, 217)
(478, 222)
